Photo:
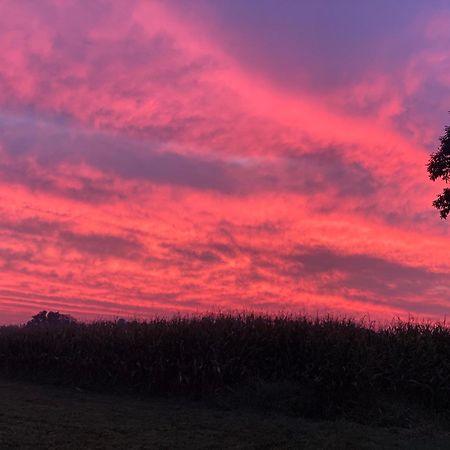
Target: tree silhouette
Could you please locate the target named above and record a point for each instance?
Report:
(50, 318)
(439, 167)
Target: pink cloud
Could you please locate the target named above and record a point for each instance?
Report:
(145, 169)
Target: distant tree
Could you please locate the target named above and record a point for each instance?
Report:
(121, 322)
(439, 167)
(50, 318)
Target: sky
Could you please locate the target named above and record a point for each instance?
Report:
(162, 157)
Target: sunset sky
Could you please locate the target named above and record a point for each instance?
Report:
(159, 157)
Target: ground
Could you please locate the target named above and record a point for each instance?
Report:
(45, 417)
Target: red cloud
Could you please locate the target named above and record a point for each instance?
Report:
(145, 169)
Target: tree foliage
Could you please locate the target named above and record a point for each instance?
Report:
(50, 318)
(439, 167)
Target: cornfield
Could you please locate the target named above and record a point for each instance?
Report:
(337, 362)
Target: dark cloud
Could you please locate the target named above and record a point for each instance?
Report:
(11, 260)
(50, 145)
(318, 44)
(378, 277)
(168, 168)
(53, 144)
(33, 226)
(324, 170)
(97, 244)
(194, 253)
(27, 173)
(102, 245)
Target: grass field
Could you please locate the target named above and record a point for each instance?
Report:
(43, 417)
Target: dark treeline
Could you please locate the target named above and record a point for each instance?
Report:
(330, 366)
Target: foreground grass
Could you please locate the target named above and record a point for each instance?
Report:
(44, 417)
